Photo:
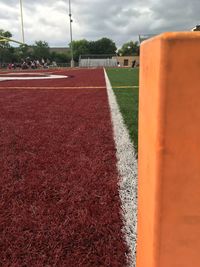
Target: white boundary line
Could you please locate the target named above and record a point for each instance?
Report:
(23, 73)
(50, 88)
(51, 76)
(127, 168)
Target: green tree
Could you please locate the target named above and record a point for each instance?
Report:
(129, 49)
(5, 51)
(80, 47)
(60, 57)
(22, 52)
(102, 46)
(5, 34)
(41, 50)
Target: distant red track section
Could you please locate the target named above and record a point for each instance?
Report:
(77, 78)
(59, 202)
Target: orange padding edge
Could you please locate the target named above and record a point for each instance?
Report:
(169, 152)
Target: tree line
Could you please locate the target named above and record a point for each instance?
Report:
(41, 49)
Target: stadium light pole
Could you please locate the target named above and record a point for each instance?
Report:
(22, 22)
(71, 36)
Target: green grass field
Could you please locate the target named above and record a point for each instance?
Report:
(127, 97)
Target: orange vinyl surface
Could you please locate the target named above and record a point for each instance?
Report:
(169, 152)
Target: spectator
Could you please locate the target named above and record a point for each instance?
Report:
(133, 63)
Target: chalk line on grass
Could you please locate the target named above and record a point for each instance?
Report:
(127, 168)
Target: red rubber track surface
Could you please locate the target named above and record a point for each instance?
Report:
(59, 203)
(77, 78)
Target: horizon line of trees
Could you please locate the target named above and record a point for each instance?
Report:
(41, 49)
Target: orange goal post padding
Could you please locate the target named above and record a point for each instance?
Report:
(169, 151)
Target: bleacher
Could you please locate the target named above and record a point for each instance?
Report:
(97, 61)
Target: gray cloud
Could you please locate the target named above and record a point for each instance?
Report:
(119, 20)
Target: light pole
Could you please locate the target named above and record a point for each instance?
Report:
(71, 46)
(22, 22)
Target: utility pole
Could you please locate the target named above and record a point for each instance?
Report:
(71, 37)
(22, 22)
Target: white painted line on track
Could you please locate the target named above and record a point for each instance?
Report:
(50, 87)
(24, 73)
(127, 168)
(51, 76)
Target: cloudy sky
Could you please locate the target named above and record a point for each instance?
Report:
(120, 20)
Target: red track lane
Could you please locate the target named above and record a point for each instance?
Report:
(59, 202)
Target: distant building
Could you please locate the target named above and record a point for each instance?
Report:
(127, 61)
(196, 28)
(61, 50)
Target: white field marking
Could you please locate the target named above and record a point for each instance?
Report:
(25, 73)
(51, 76)
(127, 168)
(51, 88)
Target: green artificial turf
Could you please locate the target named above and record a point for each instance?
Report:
(127, 98)
(123, 76)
